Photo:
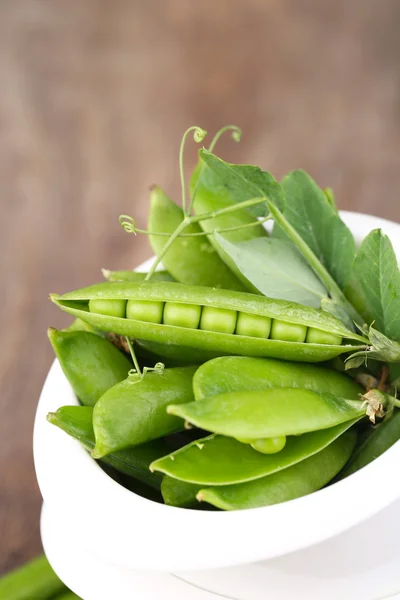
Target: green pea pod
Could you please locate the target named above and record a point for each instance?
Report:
(211, 196)
(235, 373)
(190, 260)
(301, 479)
(135, 276)
(287, 318)
(80, 325)
(68, 596)
(77, 422)
(268, 413)
(380, 439)
(172, 352)
(133, 412)
(34, 581)
(219, 460)
(91, 364)
(179, 493)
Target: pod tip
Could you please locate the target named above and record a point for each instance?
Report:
(51, 417)
(200, 496)
(98, 452)
(106, 273)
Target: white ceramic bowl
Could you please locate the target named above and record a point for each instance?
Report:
(127, 530)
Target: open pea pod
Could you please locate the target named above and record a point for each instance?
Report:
(91, 363)
(235, 373)
(189, 259)
(376, 442)
(220, 460)
(301, 479)
(133, 412)
(268, 413)
(211, 319)
(76, 421)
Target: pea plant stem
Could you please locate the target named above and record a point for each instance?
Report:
(204, 233)
(199, 135)
(189, 220)
(330, 284)
(133, 355)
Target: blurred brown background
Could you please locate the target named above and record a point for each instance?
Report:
(94, 97)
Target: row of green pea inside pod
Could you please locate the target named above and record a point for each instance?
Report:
(234, 432)
(211, 318)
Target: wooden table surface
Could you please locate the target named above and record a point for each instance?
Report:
(94, 97)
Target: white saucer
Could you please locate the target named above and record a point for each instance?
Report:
(304, 575)
(92, 579)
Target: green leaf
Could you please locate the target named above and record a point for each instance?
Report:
(243, 182)
(316, 220)
(376, 277)
(274, 268)
(382, 348)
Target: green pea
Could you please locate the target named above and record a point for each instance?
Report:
(34, 581)
(76, 421)
(182, 315)
(111, 308)
(91, 363)
(269, 445)
(133, 412)
(235, 373)
(143, 310)
(315, 336)
(301, 479)
(220, 320)
(253, 325)
(268, 413)
(209, 461)
(288, 332)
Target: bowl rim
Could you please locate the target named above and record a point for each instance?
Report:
(85, 497)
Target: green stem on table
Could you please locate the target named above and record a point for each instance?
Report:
(36, 579)
(330, 284)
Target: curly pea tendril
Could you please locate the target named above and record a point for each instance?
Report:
(198, 136)
(128, 223)
(158, 368)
